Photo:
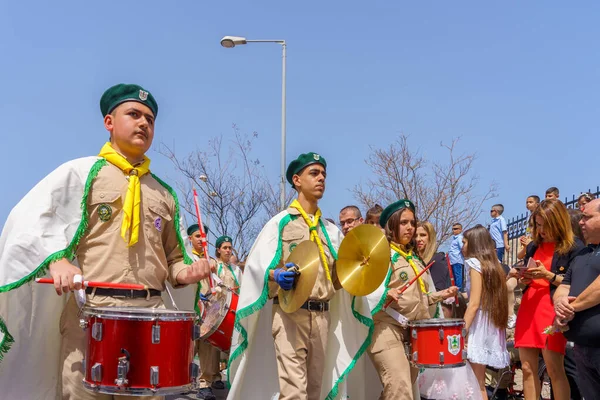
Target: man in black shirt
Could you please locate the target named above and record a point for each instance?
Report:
(577, 302)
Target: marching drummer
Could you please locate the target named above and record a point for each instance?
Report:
(301, 338)
(230, 274)
(128, 232)
(209, 357)
(387, 346)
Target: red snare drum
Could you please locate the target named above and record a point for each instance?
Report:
(140, 351)
(437, 343)
(218, 317)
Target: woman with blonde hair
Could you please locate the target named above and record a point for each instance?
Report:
(553, 248)
(426, 245)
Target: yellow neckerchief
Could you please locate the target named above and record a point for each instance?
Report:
(409, 257)
(314, 236)
(131, 205)
(220, 271)
(201, 254)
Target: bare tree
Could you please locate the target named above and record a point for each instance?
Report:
(234, 191)
(443, 192)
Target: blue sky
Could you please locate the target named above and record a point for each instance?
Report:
(518, 83)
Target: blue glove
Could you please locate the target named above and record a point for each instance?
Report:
(203, 297)
(284, 278)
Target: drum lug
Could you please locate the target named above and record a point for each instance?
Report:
(155, 334)
(97, 331)
(154, 376)
(195, 332)
(97, 372)
(194, 370)
(464, 355)
(414, 333)
(441, 333)
(464, 332)
(83, 324)
(441, 357)
(122, 370)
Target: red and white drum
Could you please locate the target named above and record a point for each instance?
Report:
(218, 318)
(437, 343)
(140, 351)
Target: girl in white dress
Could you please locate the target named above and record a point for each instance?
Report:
(486, 317)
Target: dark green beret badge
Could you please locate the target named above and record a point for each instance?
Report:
(104, 212)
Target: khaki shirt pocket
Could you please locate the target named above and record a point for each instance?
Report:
(157, 220)
(104, 210)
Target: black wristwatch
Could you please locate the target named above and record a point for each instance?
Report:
(553, 278)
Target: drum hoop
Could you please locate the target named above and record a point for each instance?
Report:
(221, 317)
(130, 314)
(138, 391)
(436, 322)
(444, 366)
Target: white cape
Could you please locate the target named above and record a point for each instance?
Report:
(44, 226)
(252, 369)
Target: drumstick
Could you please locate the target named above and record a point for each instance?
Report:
(407, 285)
(106, 285)
(203, 236)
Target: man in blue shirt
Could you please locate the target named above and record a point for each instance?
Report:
(455, 255)
(499, 230)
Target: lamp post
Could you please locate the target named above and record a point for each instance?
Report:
(232, 41)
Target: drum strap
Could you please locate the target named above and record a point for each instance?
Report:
(397, 316)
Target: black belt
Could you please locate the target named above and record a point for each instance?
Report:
(129, 294)
(310, 305)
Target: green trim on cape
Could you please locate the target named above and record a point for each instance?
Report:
(7, 339)
(259, 303)
(371, 325)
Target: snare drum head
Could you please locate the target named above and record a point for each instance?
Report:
(214, 311)
(138, 313)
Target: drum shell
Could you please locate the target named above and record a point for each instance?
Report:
(134, 330)
(437, 343)
(219, 335)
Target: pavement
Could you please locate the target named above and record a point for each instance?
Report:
(220, 394)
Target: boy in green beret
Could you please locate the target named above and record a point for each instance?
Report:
(307, 361)
(107, 218)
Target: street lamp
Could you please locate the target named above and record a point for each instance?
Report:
(232, 41)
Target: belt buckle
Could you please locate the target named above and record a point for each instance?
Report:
(315, 306)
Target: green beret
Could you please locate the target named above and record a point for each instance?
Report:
(121, 93)
(392, 208)
(195, 228)
(221, 240)
(303, 161)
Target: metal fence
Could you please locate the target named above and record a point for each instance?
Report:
(518, 225)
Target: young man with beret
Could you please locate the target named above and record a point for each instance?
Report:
(107, 218)
(303, 354)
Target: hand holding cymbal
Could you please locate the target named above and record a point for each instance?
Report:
(306, 259)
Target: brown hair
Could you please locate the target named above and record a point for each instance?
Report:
(575, 216)
(374, 212)
(431, 247)
(393, 224)
(557, 225)
(494, 294)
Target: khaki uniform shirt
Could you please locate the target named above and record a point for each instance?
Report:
(103, 254)
(413, 303)
(224, 271)
(295, 232)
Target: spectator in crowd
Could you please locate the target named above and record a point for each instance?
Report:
(552, 193)
(577, 302)
(575, 216)
(583, 199)
(531, 204)
(350, 217)
(427, 251)
(499, 230)
(455, 256)
(373, 215)
(553, 249)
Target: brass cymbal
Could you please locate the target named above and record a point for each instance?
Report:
(363, 260)
(306, 257)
